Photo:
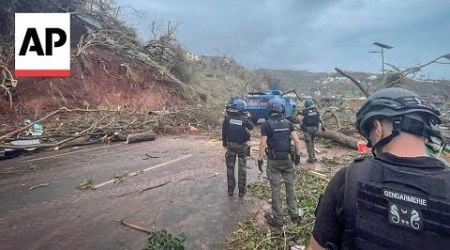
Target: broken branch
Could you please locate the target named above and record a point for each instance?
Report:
(152, 187)
(136, 227)
(38, 186)
(353, 80)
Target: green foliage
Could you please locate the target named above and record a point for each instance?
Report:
(162, 240)
(87, 184)
(251, 236)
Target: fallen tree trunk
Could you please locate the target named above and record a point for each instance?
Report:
(341, 138)
(138, 137)
(118, 137)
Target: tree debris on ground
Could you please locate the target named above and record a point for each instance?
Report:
(136, 227)
(86, 184)
(66, 127)
(256, 234)
(341, 138)
(159, 240)
(38, 186)
(119, 177)
(165, 240)
(139, 137)
(155, 186)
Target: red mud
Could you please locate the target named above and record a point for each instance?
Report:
(100, 82)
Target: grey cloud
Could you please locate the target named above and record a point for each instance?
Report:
(313, 35)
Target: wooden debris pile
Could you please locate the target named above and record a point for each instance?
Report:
(76, 127)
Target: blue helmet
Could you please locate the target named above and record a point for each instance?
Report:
(309, 103)
(238, 104)
(275, 106)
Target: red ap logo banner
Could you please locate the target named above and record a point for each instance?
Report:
(42, 44)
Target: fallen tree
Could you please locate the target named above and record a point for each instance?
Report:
(341, 138)
(76, 127)
(139, 137)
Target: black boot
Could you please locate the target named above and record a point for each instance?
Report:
(296, 220)
(272, 222)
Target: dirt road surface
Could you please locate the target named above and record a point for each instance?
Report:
(59, 216)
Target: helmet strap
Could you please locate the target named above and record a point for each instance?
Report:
(397, 126)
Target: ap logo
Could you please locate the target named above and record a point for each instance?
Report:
(42, 44)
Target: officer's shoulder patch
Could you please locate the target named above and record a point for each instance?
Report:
(236, 122)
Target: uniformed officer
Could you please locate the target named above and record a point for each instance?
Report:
(276, 134)
(400, 199)
(311, 120)
(235, 136)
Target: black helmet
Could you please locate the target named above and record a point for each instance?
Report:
(238, 104)
(309, 103)
(396, 103)
(275, 106)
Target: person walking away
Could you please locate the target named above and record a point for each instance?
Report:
(277, 133)
(235, 135)
(310, 119)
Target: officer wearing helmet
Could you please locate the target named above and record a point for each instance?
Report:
(400, 198)
(311, 120)
(235, 136)
(276, 134)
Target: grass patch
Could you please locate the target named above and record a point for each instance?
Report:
(250, 235)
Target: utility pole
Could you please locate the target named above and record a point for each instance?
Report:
(382, 46)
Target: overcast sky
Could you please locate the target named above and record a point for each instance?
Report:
(315, 35)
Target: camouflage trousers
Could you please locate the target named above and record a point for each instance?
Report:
(236, 150)
(276, 171)
(309, 134)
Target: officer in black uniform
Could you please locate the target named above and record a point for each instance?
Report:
(276, 134)
(235, 136)
(400, 199)
(311, 120)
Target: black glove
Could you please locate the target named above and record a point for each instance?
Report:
(297, 160)
(260, 165)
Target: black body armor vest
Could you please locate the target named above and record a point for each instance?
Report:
(396, 207)
(278, 139)
(237, 131)
(311, 118)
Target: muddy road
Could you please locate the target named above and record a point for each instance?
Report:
(193, 200)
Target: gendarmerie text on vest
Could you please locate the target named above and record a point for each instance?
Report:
(405, 197)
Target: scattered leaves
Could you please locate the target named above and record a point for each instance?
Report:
(87, 184)
(162, 240)
(253, 236)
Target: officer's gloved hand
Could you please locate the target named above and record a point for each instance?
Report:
(260, 165)
(297, 160)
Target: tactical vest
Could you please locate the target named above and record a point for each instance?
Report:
(237, 131)
(396, 207)
(311, 119)
(278, 139)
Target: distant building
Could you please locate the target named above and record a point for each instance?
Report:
(192, 56)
